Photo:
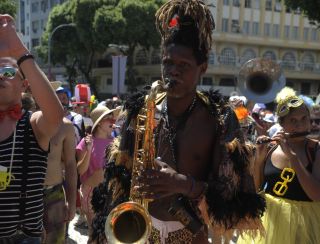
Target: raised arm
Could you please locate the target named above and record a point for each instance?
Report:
(47, 120)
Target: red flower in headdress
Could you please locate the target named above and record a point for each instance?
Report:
(174, 21)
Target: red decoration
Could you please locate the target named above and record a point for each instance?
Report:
(13, 112)
(82, 93)
(174, 21)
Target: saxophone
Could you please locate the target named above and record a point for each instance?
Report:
(130, 221)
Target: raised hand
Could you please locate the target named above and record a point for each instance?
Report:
(10, 43)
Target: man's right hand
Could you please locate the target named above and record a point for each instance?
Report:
(10, 43)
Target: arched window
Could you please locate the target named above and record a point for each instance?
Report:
(155, 56)
(270, 55)
(211, 58)
(307, 62)
(141, 57)
(247, 55)
(289, 61)
(228, 57)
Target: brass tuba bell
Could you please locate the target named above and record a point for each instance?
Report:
(260, 80)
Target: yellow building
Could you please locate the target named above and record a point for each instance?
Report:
(246, 29)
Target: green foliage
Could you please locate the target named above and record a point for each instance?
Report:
(309, 7)
(8, 7)
(98, 24)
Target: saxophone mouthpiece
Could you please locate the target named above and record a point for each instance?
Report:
(169, 83)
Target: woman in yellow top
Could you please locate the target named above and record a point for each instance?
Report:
(289, 175)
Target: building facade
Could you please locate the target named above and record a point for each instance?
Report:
(32, 19)
(245, 29)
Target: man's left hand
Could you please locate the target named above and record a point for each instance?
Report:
(161, 182)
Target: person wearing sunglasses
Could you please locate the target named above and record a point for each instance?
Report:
(288, 174)
(24, 138)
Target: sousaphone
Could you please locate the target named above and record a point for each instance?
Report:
(260, 80)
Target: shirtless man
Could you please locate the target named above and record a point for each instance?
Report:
(200, 160)
(59, 200)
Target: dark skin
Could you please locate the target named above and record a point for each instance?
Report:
(195, 140)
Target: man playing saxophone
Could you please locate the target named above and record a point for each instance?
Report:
(201, 175)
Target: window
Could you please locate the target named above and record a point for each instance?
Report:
(227, 82)
(228, 57)
(306, 33)
(269, 5)
(269, 55)
(109, 81)
(246, 27)
(307, 62)
(35, 26)
(226, 2)
(211, 58)
(247, 3)
(287, 31)
(35, 42)
(290, 84)
(207, 81)
(155, 56)
(267, 29)
(295, 33)
(247, 55)
(305, 88)
(235, 26)
(236, 3)
(44, 5)
(314, 34)
(141, 57)
(257, 4)
(35, 7)
(255, 28)
(289, 61)
(225, 24)
(276, 32)
(277, 6)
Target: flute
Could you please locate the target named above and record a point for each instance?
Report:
(292, 135)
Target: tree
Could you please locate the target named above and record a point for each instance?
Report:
(309, 7)
(98, 24)
(8, 7)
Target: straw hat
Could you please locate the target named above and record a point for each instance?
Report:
(55, 84)
(98, 113)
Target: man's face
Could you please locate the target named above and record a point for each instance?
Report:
(63, 97)
(10, 87)
(179, 64)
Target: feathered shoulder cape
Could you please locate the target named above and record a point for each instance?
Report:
(231, 202)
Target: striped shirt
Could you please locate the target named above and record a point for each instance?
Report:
(10, 220)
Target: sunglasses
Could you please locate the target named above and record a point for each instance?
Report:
(8, 72)
(284, 109)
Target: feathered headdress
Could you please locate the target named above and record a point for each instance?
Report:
(183, 15)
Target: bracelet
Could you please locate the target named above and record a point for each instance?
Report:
(24, 58)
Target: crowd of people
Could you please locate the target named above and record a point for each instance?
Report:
(222, 168)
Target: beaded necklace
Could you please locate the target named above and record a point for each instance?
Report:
(173, 130)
